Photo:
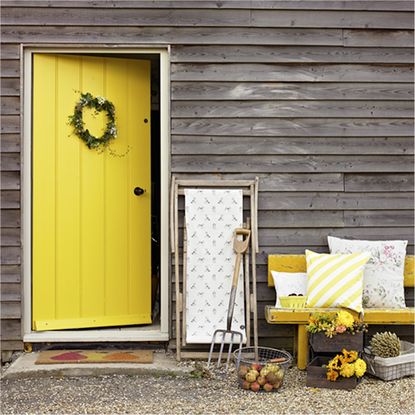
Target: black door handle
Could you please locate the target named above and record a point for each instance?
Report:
(138, 191)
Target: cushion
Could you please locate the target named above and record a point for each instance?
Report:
(287, 283)
(335, 280)
(383, 278)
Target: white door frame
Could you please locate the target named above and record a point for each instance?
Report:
(145, 333)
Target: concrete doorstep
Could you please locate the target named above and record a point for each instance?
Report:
(163, 365)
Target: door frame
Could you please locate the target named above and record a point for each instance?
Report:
(145, 333)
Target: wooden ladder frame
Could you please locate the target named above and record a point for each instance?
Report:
(250, 189)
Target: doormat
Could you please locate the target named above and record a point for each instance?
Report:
(94, 356)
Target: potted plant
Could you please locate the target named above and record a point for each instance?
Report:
(340, 372)
(332, 332)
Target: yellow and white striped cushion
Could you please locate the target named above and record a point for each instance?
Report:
(335, 280)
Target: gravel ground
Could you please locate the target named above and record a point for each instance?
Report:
(214, 393)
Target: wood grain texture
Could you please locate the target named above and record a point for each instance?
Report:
(10, 143)
(336, 201)
(379, 182)
(396, 5)
(10, 199)
(10, 236)
(208, 17)
(325, 127)
(284, 182)
(10, 68)
(10, 218)
(291, 109)
(290, 54)
(11, 330)
(10, 105)
(11, 51)
(10, 161)
(291, 164)
(291, 145)
(10, 310)
(379, 218)
(172, 35)
(379, 38)
(10, 255)
(10, 273)
(10, 123)
(278, 91)
(10, 87)
(10, 180)
(291, 73)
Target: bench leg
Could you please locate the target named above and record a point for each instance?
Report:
(302, 347)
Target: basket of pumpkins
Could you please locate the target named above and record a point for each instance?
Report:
(261, 369)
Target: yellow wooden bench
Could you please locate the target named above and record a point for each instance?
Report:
(297, 263)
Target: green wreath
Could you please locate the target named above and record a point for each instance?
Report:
(98, 104)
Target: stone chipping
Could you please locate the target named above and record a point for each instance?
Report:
(205, 392)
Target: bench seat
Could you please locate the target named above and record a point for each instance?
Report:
(300, 316)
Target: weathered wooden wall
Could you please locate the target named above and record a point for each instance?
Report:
(314, 97)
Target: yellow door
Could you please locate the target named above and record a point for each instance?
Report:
(91, 234)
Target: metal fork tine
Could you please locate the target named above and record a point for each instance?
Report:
(221, 347)
(212, 345)
(230, 349)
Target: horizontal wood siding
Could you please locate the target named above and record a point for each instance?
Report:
(313, 97)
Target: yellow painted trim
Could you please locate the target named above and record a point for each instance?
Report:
(409, 271)
(302, 347)
(92, 322)
(297, 263)
(370, 316)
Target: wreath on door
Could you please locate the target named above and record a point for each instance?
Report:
(98, 104)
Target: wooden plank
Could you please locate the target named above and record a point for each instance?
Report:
(10, 105)
(13, 345)
(265, 127)
(335, 201)
(10, 237)
(10, 330)
(10, 87)
(379, 182)
(292, 72)
(396, 5)
(10, 218)
(300, 219)
(290, 91)
(130, 17)
(291, 164)
(172, 35)
(10, 292)
(276, 109)
(11, 51)
(10, 255)
(281, 182)
(378, 38)
(10, 310)
(291, 145)
(290, 54)
(10, 143)
(10, 180)
(10, 123)
(379, 218)
(306, 236)
(207, 17)
(10, 273)
(332, 19)
(10, 162)
(10, 199)
(10, 68)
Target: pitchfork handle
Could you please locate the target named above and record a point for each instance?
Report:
(233, 290)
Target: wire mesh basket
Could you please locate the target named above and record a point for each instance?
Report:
(261, 369)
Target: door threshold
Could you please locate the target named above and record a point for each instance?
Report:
(122, 334)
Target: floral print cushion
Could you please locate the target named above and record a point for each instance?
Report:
(383, 284)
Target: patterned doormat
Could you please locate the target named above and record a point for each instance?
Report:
(94, 356)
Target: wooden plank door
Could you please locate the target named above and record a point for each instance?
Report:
(91, 235)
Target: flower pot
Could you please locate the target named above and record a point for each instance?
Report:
(320, 343)
(317, 376)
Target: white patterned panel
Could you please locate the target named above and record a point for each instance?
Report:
(211, 218)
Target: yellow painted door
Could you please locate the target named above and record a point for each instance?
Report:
(91, 235)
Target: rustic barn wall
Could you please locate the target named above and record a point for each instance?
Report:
(314, 97)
